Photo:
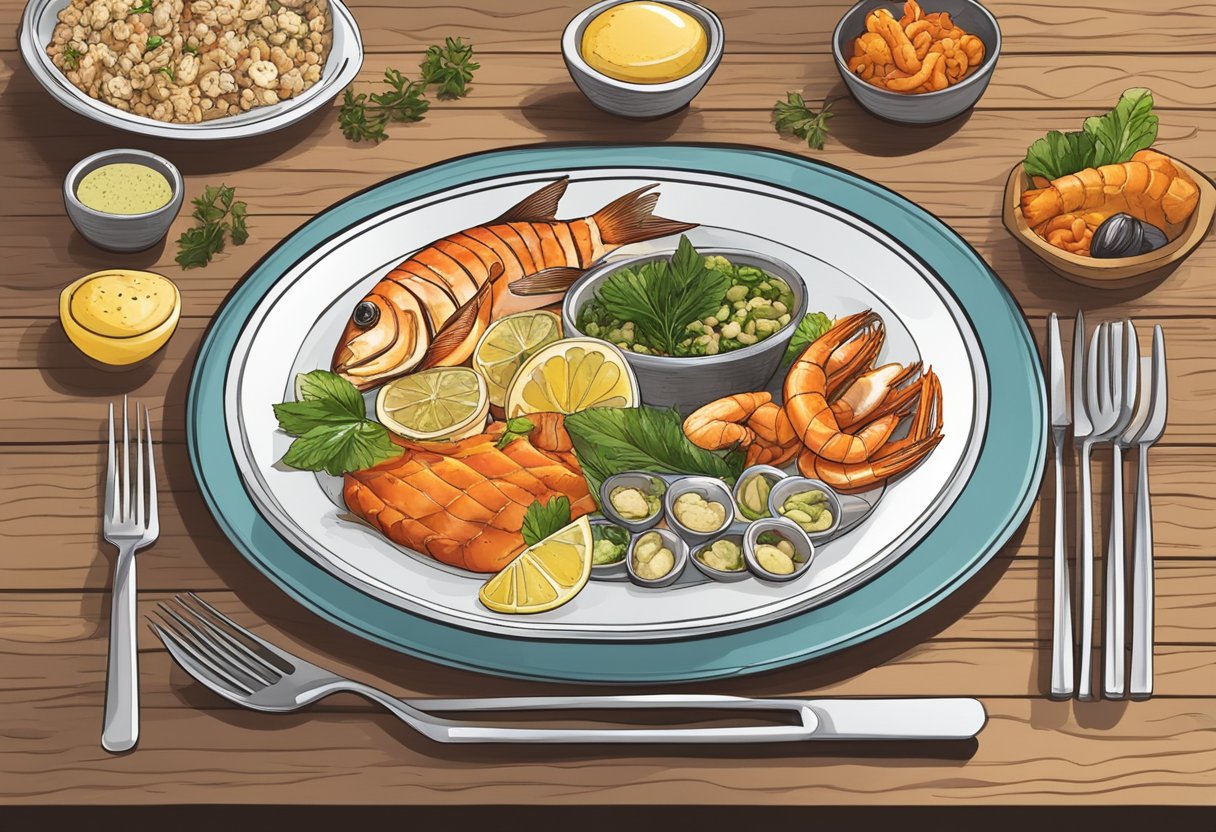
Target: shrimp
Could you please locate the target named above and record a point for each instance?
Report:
(745, 420)
(902, 50)
(909, 82)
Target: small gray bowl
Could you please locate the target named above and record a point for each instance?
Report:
(793, 485)
(688, 383)
(678, 548)
(710, 489)
(722, 575)
(122, 232)
(622, 98)
(804, 549)
(648, 483)
(610, 571)
(928, 107)
(769, 472)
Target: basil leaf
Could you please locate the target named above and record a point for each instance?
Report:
(322, 384)
(542, 520)
(298, 418)
(338, 449)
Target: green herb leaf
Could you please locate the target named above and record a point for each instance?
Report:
(190, 48)
(340, 448)
(517, 428)
(450, 67)
(542, 520)
(807, 332)
(363, 117)
(153, 42)
(794, 116)
(1127, 129)
(609, 440)
(298, 418)
(167, 71)
(322, 385)
(143, 7)
(1059, 154)
(197, 246)
(71, 57)
(220, 214)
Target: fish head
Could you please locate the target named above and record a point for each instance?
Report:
(384, 338)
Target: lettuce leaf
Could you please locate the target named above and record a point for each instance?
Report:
(1127, 129)
(1059, 154)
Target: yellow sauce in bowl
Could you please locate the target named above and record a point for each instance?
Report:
(120, 316)
(124, 188)
(644, 42)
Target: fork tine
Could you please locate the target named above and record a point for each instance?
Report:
(256, 664)
(1131, 365)
(287, 658)
(126, 463)
(153, 527)
(198, 665)
(1104, 366)
(111, 475)
(139, 470)
(218, 657)
(1116, 366)
(1092, 375)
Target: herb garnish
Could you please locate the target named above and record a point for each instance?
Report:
(794, 116)
(517, 428)
(167, 71)
(153, 42)
(220, 215)
(609, 440)
(190, 49)
(363, 116)
(544, 519)
(663, 297)
(143, 7)
(450, 67)
(808, 331)
(1109, 139)
(332, 432)
(71, 57)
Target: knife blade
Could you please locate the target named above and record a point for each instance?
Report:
(1060, 418)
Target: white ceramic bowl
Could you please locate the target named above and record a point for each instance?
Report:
(341, 66)
(640, 100)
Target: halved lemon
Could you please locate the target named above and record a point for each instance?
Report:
(571, 375)
(120, 316)
(543, 576)
(443, 403)
(508, 343)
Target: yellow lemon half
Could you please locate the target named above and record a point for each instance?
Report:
(571, 375)
(508, 343)
(544, 576)
(443, 403)
(120, 316)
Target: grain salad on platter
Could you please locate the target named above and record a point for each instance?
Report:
(191, 62)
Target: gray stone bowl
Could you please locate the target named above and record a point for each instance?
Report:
(122, 232)
(647, 483)
(688, 383)
(929, 107)
(678, 548)
(796, 485)
(610, 571)
(622, 98)
(720, 575)
(804, 549)
(709, 489)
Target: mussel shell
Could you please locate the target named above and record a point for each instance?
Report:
(1120, 235)
(1154, 238)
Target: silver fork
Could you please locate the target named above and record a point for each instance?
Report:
(1102, 409)
(1125, 365)
(248, 670)
(1144, 431)
(130, 523)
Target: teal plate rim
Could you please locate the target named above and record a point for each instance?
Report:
(985, 515)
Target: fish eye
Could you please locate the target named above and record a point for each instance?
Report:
(366, 314)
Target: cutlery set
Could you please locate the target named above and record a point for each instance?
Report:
(1118, 399)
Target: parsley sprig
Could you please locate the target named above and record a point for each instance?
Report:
(363, 116)
(220, 215)
(333, 433)
(143, 7)
(544, 519)
(794, 116)
(71, 57)
(450, 67)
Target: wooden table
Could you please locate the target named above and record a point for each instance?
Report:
(990, 639)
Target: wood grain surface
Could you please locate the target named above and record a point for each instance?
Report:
(991, 639)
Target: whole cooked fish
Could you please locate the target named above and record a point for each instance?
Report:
(431, 309)
(463, 503)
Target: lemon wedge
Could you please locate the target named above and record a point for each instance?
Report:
(443, 403)
(571, 375)
(508, 343)
(120, 316)
(544, 576)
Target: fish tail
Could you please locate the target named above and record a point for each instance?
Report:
(629, 219)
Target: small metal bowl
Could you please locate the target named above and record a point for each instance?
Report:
(623, 98)
(804, 549)
(610, 571)
(793, 485)
(648, 483)
(927, 107)
(722, 575)
(769, 472)
(678, 548)
(122, 232)
(709, 488)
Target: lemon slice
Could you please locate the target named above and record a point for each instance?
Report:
(571, 375)
(508, 343)
(443, 403)
(543, 576)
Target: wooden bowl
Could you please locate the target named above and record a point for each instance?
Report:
(1115, 272)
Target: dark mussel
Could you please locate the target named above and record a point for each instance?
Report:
(1122, 235)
